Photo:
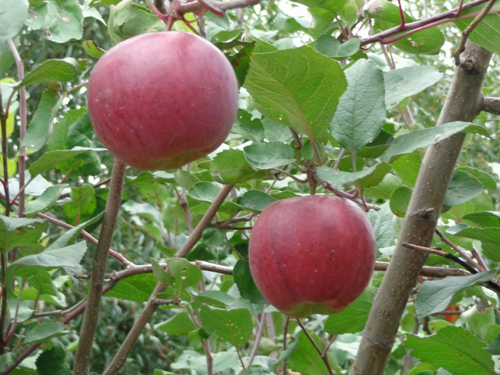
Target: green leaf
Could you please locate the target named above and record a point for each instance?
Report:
(12, 16)
(160, 274)
(435, 295)
(38, 130)
(204, 191)
(179, 325)
(192, 360)
(231, 167)
(385, 188)
(69, 256)
(252, 129)
(485, 219)
(212, 237)
(305, 359)
(61, 21)
(46, 200)
(184, 272)
(494, 347)
(269, 155)
(137, 288)
(61, 70)
(368, 177)
(127, 20)
(487, 32)
(353, 318)
(486, 179)
(72, 234)
(462, 188)
(6, 360)
(332, 47)
(331, 5)
(54, 361)
(52, 158)
(185, 179)
(43, 332)
(42, 282)
(400, 198)
(453, 348)
(405, 82)
(306, 104)
(407, 167)
(16, 231)
(93, 49)
(244, 281)
(234, 326)
(361, 110)
(382, 222)
(410, 142)
(215, 298)
(255, 200)
(489, 237)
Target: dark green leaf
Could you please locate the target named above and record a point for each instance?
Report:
(54, 361)
(231, 167)
(435, 295)
(305, 359)
(16, 231)
(332, 47)
(308, 104)
(244, 281)
(234, 326)
(255, 200)
(136, 288)
(400, 198)
(368, 177)
(160, 274)
(464, 353)
(361, 110)
(184, 272)
(489, 237)
(407, 167)
(61, 70)
(269, 155)
(43, 332)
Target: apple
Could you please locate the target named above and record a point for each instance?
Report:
(452, 318)
(312, 255)
(161, 100)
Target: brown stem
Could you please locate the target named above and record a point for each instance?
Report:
(491, 105)
(260, 332)
(469, 29)
(448, 16)
(120, 357)
(89, 324)
(422, 216)
(457, 249)
(285, 333)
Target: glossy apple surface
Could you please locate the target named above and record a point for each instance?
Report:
(159, 101)
(312, 255)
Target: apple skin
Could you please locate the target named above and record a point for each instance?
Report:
(312, 255)
(158, 101)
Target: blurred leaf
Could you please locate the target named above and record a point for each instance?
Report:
(12, 16)
(244, 281)
(231, 167)
(307, 108)
(255, 200)
(72, 234)
(407, 167)
(54, 361)
(486, 179)
(354, 317)
(332, 47)
(160, 274)
(249, 128)
(365, 178)
(400, 198)
(179, 325)
(305, 359)
(6, 360)
(331, 5)
(43, 332)
(269, 155)
(234, 326)
(184, 272)
(38, 130)
(42, 281)
(137, 288)
(382, 222)
(464, 353)
(406, 82)
(204, 191)
(485, 219)
(489, 237)
(93, 49)
(385, 188)
(16, 231)
(61, 70)
(462, 188)
(435, 295)
(361, 110)
(410, 142)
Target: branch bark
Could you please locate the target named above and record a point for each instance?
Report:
(89, 324)
(150, 308)
(462, 104)
(491, 105)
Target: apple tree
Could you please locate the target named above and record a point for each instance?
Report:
(123, 265)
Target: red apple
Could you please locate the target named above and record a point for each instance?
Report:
(312, 255)
(452, 318)
(159, 101)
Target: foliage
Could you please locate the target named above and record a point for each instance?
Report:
(316, 105)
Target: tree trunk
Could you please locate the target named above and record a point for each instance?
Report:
(462, 104)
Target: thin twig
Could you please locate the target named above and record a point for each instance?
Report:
(323, 356)
(257, 339)
(285, 333)
(469, 29)
(457, 249)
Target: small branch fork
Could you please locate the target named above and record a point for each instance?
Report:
(323, 354)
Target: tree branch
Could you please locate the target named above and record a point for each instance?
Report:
(150, 308)
(423, 212)
(491, 105)
(91, 317)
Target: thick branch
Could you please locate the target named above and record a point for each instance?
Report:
(89, 324)
(422, 215)
(491, 105)
(150, 308)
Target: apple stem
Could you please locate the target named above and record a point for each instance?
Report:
(323, 355)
